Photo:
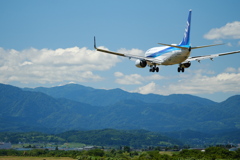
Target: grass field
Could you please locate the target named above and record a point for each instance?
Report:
(170, 153)
(33, 158)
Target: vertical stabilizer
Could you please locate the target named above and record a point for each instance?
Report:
(186, 37)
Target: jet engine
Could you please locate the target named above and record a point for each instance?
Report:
(141, 63)
(185, 65)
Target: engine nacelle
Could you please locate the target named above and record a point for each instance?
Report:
(185, 65)
(140, 63)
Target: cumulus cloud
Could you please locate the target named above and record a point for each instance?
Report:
(231, 70)
(149, 88)
(50, 66)
(133, 51)
(154, 77)
(134, 79)
(229, 44)
(128, 79)
(229, 31)
(198, 83)
(118, 74)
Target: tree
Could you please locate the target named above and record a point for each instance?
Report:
(237, 154)
(96, 152)
(218, 152)
(186, 153)
(126, 149)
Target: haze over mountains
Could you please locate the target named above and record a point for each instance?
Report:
(75, 107)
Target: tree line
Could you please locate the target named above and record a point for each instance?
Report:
(126, 154)
(105, 137)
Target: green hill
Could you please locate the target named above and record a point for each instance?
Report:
(72, 107)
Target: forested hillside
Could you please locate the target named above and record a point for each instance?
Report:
(59, 109)
(101, 97)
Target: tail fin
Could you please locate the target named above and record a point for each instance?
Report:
(186, 37)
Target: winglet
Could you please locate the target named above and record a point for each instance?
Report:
(95, 43)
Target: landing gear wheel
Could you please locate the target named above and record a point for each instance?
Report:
(153, 69)
(180, 69)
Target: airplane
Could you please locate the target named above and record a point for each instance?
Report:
(169, 54)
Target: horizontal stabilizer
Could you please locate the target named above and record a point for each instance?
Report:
(206, 46)
(170, 45)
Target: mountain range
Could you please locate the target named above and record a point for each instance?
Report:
(76, 107)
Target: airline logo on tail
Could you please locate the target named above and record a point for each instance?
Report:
(186, 37)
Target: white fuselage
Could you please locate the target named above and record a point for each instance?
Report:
(168, 55)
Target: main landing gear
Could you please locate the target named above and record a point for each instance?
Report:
(153, 69)
(182, 66)
(180, 69)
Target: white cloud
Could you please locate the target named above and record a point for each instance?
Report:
(50, 66)
(202, 71)
(134, 79)
(231, 70)
(154, 77)
(128, 79)
(197, 83)
(149, 88)
(118, 74)
(229, 44)
(133, 51)
(229, 31)
(26, 63)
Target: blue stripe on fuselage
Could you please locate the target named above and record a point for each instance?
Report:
(161, 52)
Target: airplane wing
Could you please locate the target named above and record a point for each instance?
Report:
(199, 58)
(151, 60)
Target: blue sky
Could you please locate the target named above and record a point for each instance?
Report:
(50, 42)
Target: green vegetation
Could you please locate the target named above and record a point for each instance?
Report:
(182, 118)
(112, 137)
(29, 137)
(75, 107)
(112, 154)
(33, 158)
(105, 137)
(116, 138)
(210, 153)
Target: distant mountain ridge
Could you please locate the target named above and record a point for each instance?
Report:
(108, 97)
(37, 110)
(77, 107)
